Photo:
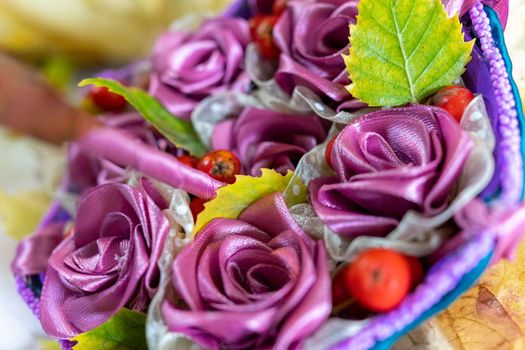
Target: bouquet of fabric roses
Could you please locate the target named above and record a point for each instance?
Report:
(318, 174)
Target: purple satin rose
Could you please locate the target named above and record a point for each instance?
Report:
(257, 282)
(109, 262)
(387, 163)
(268, 139)
(312, 36)
(188, 67)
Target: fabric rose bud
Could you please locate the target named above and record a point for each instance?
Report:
(268, 139)
(188, 67)
(312, 36)
(387, 163)
(109, 262)
(257, 282)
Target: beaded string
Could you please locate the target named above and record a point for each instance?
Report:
(34, 304)
(507, 118)
(27, 295)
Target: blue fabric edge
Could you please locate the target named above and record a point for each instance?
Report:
(499, 40)
(464, 284)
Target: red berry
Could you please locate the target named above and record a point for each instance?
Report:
(454, 99)
(189, 160)
(328, 151)
(279, 6)
(196, 207)
(107, 100)
(416, 271)
(379, 279)
(221, 165)
(339, 292)
(261, 28)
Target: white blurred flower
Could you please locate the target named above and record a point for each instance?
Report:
(101, 30)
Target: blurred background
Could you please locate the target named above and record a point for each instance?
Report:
(64, 37)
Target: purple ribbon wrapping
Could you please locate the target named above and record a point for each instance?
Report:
(255, 282)
(387, 163)
(109, 262)
(118, 147)
(188, 67)
(86, 170)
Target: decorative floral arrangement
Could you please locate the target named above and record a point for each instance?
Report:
(302, 174)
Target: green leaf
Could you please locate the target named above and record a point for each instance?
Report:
(404, 50)
(231, 200)
(177, 131)
(125, 331)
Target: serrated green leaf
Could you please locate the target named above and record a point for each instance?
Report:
(231, 200)
(177, 131)
(404, 50)
(124, 331)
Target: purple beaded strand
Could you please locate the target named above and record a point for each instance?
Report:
(508, 126)
(34, 304)
(27, 295)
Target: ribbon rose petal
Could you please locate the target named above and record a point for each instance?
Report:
(253, 282)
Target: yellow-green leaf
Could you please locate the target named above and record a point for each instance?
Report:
(124, 331)
(231, 200)
(404, 50)
(177, 131)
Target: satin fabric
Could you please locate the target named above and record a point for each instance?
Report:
(188, 67)
(118, 147)
(86, 170)
(33, 251)
(257, 282)
(312, 36)
(268, 139)
(387, 163)
(109, 262)
(508, 224)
